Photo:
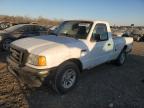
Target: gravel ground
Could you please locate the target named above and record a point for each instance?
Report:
(106, 86)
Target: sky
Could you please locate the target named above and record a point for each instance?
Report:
(119, 12)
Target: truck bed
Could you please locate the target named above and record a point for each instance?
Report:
(120, 41)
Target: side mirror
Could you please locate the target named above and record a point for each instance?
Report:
(96, 37)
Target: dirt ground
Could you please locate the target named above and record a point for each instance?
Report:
(105, 86)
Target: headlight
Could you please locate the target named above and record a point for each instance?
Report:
(37, 60)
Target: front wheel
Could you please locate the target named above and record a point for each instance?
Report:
(66, 77)
(6, 44)
(121, 58)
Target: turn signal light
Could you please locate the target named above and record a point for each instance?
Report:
(41, 61)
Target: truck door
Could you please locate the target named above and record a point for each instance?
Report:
(101, 46)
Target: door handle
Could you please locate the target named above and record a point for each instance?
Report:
(83, 52)
(109, 44)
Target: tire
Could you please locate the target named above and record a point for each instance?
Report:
(142, 39)
(121, 58)
(65, 77)
(6, 44)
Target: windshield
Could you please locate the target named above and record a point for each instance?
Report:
(13, 28)
(75, 29)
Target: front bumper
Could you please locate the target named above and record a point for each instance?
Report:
(30, 76)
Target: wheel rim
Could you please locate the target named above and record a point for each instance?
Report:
(6, 44)
(69, 78)
(122, 58)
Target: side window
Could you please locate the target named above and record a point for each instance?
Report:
(34, 28)
(28, 29)
(22, 29)
(38, 28)
(100, 32)
(41, 28)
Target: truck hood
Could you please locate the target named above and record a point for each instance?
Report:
(40, 44)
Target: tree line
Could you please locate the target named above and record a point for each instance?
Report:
(24, 19)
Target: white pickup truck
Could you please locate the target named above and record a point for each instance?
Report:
(60, 57)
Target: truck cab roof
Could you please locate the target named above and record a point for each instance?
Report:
(94, 21)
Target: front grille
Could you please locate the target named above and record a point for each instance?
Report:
(18, 55)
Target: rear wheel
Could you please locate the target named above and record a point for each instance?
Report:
(65, 77)
(142, 39)
(121, 58)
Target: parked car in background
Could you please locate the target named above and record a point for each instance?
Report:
(137, 34)
(75, 46)
(4, 25)
(53, 28)
(20, 31)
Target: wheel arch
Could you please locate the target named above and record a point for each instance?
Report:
(77, 62)
(125, 47)
(4, 39)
